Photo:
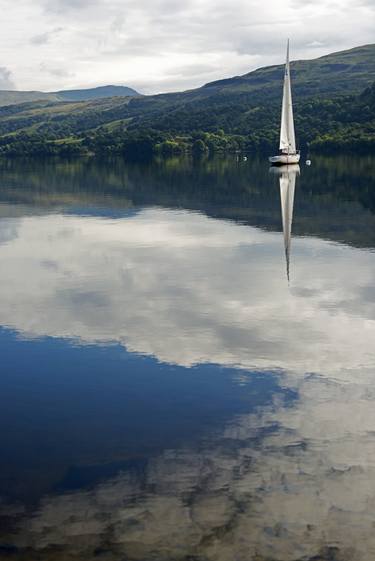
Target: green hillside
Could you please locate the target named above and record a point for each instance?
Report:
(334, 110)
(95, 93)
(334, 74)
(12, 97)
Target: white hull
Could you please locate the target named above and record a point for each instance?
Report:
(284, 159)
(279, 170)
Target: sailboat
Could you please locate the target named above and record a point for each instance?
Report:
(288, 153)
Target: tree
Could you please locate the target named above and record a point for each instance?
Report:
(199, 147)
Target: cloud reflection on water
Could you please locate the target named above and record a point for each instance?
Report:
(284, 483)
(188, 289)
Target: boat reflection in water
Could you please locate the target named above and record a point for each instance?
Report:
(287, 177)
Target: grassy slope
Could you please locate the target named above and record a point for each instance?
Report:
(9, 97)
(95, 93)
(336, 74)
(33, 117)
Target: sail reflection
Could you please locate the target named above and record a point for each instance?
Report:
(287, 178)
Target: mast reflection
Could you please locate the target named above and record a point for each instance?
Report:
(287, 178)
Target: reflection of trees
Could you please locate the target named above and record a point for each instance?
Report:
(335, 197)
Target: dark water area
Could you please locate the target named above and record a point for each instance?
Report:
(187, 360)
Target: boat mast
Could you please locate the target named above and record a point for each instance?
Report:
(287, 82)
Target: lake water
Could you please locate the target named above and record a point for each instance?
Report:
(187, 361)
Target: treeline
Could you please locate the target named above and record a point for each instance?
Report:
(134, 145)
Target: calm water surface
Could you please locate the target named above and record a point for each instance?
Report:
(187, 361)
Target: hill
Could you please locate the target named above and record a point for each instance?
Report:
(334, 74)
(12, 97)
(95, 93)
(334, 109)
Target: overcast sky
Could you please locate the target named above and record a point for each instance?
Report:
(166, 45)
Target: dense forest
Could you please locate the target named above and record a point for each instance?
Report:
(335, 113)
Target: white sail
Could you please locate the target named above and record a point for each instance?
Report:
(287, 186)
(287, 137)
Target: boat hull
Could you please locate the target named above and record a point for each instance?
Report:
(280, 170)
(284, 159)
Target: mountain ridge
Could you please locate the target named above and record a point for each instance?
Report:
(96, 93)
(338, 63)
(15, 97)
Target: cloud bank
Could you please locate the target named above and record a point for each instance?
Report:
(167, 45)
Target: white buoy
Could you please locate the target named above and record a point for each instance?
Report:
(245, 158)
(308, 162)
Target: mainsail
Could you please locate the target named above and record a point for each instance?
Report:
(287, 137)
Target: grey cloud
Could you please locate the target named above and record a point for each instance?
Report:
(367, 4)
(182, 77)
(315, 43)
(6, 81)
(55, 70)
(46, 37)
(61, 6)
(193, 69)
(40, 39)
(118, 23)
(176, 82)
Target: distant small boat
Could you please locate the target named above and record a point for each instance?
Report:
(288, 153)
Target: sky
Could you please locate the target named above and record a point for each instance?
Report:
(167, 45)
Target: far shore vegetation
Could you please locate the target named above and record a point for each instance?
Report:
(339, 125)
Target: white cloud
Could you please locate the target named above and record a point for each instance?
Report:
(163, 45)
